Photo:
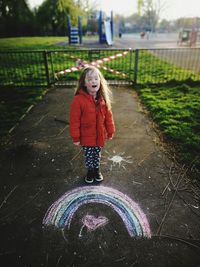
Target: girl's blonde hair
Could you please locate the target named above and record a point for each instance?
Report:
(104, 90)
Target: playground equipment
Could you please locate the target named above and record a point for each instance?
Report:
(105, 30)
(74, 33)
(188, 37)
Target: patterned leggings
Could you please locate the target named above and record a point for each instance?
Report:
(92, 156)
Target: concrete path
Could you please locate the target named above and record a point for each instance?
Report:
(134, 41)
(153, 41)
(144, 213)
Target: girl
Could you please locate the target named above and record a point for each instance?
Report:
(91, 120)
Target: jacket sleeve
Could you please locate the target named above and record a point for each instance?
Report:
(109, 123)
(75, 119)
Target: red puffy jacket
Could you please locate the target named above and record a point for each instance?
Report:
(90, 122)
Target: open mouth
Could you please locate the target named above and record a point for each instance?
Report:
(94, 86)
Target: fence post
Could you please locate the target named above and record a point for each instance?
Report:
(130, 65)
(136, 65)
(45, 54)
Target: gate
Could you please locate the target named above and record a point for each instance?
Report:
(116, 65)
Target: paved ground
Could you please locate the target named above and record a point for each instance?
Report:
(155, 40)
(134, 41)
(143, 191)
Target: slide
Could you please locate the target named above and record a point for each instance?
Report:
(108, 32)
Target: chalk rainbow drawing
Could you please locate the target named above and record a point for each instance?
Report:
(61, 212)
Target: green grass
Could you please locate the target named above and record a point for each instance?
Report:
(29, 43)
(39, 42)
(177, 111)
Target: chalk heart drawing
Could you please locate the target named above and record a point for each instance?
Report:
(61, 212)
(92, 222)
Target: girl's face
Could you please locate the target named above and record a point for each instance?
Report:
(92, 82)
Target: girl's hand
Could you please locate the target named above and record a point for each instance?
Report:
(77, 143)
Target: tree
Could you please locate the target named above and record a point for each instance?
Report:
(52, 16)
(15, 18)
(150, 10)
(187, 23)
(139, 5)
(136, 22)
(165, 26)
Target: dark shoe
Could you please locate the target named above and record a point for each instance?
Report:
(89, 178)
(98, 175)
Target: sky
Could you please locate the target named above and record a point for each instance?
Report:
(172, 9)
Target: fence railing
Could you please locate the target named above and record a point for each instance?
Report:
(121, 66)
(23, 68)
(163, 65)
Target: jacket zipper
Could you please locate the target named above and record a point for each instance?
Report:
(96, 107)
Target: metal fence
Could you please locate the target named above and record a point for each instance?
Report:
(119, 66)
(24, 68)
(163, 65)
(115, 64)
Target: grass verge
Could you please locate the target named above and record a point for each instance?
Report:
(176, 109)
(34, 43)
